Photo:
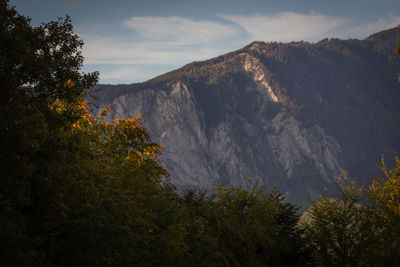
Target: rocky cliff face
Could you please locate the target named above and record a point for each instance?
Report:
(291, 115)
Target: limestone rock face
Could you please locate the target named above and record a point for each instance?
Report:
(291, 116)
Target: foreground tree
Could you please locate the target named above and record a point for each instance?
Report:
(76, 191)
(384, 213)
(335, 227)
(237, 227)
(41, 92)
(357, 227)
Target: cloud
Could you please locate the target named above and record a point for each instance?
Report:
(287, 26)
(126, 74)
(180, 31)
(122, 73)
(177, 40)
(161, 40)
(170, 42)
(364, 30)
(107, 50)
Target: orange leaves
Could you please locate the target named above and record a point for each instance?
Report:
(121, 142)
(105, 111)
(222, 187)
(131, 129)
(149, 152)
(69, 83)
(85, 105)
(125, 139)
(86, 117)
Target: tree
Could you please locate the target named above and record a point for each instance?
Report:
(384, 213)
(76, 190)
(358, 226)
(238, 227)
(336, 227)
(41, 92)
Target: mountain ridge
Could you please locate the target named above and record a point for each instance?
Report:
(292, 115)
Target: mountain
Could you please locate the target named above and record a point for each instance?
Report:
(288, 115)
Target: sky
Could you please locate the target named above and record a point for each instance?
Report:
(133, 41)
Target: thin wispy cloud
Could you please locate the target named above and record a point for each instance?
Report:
(100, 50)
(160, 40)
(364, 30)
(123, 72)
(180, 31)
(287, 26)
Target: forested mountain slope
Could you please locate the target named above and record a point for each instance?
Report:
(290, 115)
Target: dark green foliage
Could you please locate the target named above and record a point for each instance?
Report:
(41, 89)
(76, 191)
(383, 211)
(357, 227)
(335, 231)
(237, 227)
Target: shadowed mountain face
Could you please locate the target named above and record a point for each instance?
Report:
(289, 115)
